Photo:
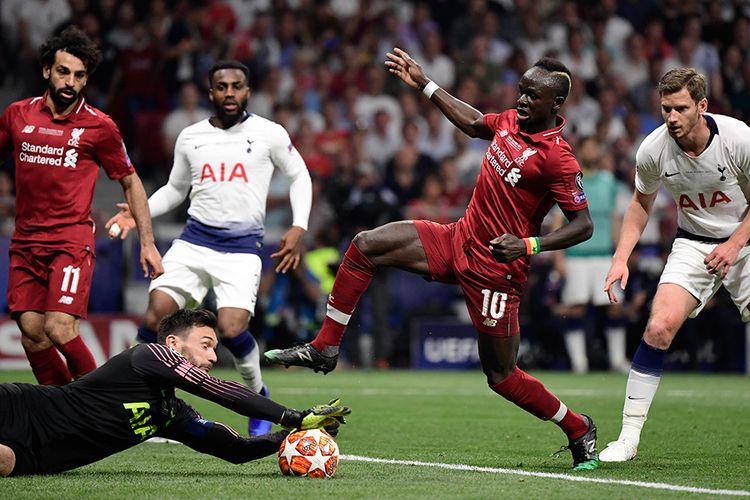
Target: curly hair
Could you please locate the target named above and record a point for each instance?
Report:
(75, 42)
(228, 64)
(182, 321)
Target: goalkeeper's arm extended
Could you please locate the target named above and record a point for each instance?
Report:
(317, 417)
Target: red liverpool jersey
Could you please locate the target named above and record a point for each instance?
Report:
(522, 177)
(57, 163)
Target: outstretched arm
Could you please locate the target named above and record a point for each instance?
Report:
(136, 198)
(633, 223)
(467, 118)
(173, 370)
(219, 440)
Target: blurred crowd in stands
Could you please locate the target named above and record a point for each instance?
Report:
(379, 151)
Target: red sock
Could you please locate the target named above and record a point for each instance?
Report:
(352, 279)
(530, 394)
(48, 367)
(79, 357)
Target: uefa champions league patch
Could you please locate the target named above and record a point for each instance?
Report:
(579, 196)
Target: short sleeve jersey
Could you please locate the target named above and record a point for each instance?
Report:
(229, 172)
(522, 177)
(57, 163)
(711, 189)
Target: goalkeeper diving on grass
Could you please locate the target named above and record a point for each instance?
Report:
(50, 429)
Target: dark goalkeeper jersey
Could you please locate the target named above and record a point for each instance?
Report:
(124, 402)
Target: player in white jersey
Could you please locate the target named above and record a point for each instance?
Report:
(704, 161)
(226, 164)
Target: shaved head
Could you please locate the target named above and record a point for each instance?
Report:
(558, 75)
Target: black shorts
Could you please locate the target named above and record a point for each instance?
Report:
(15, 428)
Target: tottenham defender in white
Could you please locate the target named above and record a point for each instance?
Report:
(225, 163)
(704, 161)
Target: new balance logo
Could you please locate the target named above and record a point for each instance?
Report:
(28, 129)
(591, 447)
(489, 322)
(305, 356)
(65, 299)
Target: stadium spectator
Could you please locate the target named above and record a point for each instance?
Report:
(584, 266)
(631, 66)
(480, 251)
(226, 164)
(703, 160)
(46, 430)
(7, 204)
(382, 139)
(58, 142)
(188, 112)
(437, 141)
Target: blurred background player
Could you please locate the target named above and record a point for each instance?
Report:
(45, 430)
(527, 168)
(585, 265)
(225, 163)
(703, 159)
(58, 142)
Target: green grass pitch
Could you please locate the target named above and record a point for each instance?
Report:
(696, 437)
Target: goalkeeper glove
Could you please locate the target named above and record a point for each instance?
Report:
(320, 416)
(330, 414)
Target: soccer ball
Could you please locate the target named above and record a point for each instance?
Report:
(311, 453)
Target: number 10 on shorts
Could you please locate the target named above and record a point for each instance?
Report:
(493, 303)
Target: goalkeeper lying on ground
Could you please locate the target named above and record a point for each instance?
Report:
(48, 429)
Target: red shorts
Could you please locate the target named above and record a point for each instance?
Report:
(50, 279)
(491, 298)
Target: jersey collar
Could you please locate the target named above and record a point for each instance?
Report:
(544, 134)
(75, 110)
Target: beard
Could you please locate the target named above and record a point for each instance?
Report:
(229, 119)
(60, 100)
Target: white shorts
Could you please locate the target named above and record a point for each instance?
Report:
(685, 268)
(191, 270)
(584, 281)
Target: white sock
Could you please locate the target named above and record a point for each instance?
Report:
(616, 346)
(249, 368)
(575, 343)
(639, 394)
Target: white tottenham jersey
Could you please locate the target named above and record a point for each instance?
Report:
(227, 172)
(711, 189)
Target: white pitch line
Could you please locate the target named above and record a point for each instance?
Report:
(550, 475)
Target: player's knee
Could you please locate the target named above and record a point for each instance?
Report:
(659, 333)
(363, 241)
(60, 332)
(151, 319)
(7, 460)
(230, 329)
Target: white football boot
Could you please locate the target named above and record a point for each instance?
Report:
(618, 451)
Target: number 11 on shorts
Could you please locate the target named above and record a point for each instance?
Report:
(72, 275)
